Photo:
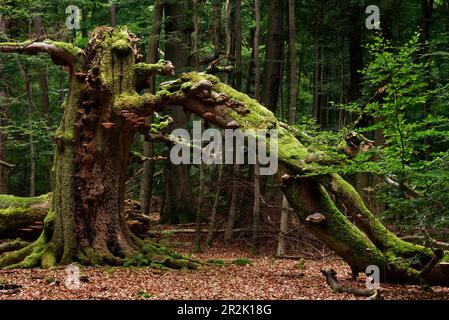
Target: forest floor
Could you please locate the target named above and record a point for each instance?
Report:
(262, 278)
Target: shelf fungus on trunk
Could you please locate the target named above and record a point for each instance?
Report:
(316, 218)
(86, 223)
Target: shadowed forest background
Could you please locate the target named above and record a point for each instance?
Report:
(379, 95)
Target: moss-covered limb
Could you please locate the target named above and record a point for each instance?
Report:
(370, 225)
(13, 245)
(8, 201)
(146, 104)
(22, 213)
(220, 104)
(331, 279)
(61, 53)
(162, 67)
(17, 213)
(307, 197)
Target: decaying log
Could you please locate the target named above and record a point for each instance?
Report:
(24, 217)
(13, 245)
(331, 279)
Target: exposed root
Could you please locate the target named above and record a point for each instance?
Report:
(41, 254)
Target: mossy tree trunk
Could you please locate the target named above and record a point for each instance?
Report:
(361, 243)
(86, 218)
(101, 115)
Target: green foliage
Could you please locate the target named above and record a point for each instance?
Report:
(415, 131)
(300, 264)
(216, 262)
(143, 294)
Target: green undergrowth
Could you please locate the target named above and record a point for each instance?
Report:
(159, 257)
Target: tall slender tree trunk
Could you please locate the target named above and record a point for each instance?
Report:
(84, 19)
(213, 216)
(256, 50)
(238, 46)
(112, 14)
(3, 169)
(427, 17)
(317, 95)
(256, 209)
(31, 110)
(283, 229)
(200, 205)
(273, 54)
(233, 207)
(44, 98)
(179, 201)
(217, 4)
(199, 209)
(146, 184)
(293, 62)
(228, 31)
(355, 52)
(250, 76)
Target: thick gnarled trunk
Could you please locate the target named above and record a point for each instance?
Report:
(86, 219)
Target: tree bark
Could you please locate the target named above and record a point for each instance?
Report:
(86, 221)
(228, 32)
(146, 184)
(283, 228)
(179, 201)
(217, 4)
(317, 95)
(112, 14)
(3, 169)
(238, 46)
(256, 209)
(43, 85)
(213, 216)
(293, 62)
(273, 54)
(355, 52)
(256, 51)
(233, 207)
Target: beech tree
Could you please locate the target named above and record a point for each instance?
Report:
(104, 111)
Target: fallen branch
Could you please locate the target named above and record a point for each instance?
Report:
(331, 279)
(423, 239)
(7, 165)
(6, 288)
(13, 245)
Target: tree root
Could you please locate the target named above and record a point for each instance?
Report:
(331, 279)
(43, 254)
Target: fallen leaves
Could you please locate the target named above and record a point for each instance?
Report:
(263, 278)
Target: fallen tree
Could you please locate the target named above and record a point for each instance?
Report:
(24, 217)
(103, 112)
